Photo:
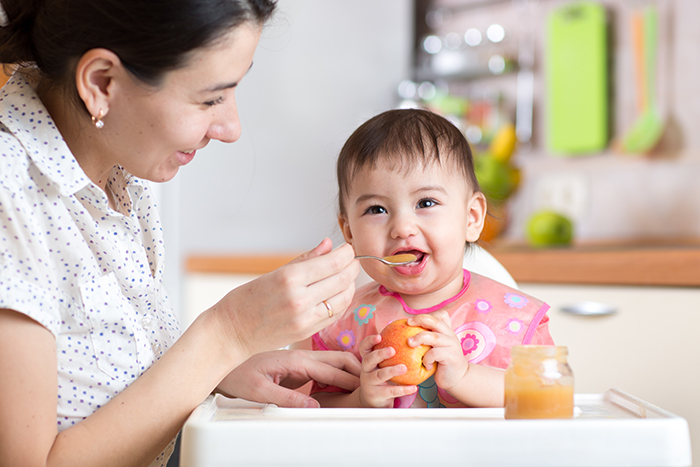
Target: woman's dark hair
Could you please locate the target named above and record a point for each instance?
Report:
(151, 37)
(403, 138)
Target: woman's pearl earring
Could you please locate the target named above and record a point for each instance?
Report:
(97, 121)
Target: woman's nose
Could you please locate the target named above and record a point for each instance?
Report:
(225, 125)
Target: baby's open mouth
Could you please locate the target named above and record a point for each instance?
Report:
(418, 254)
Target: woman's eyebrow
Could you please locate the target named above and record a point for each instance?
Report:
(221, 87)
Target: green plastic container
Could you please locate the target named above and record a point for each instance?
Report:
(577, 79)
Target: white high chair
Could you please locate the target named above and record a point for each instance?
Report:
(482, 262)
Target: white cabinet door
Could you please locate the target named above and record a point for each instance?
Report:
(650, 347)
(203, 290)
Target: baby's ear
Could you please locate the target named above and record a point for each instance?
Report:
(345, 228)
(476, 213)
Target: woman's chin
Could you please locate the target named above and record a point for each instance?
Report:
(163, 176)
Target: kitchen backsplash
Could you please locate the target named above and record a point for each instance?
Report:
(609, 195)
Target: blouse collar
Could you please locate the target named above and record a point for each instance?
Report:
(26, 117)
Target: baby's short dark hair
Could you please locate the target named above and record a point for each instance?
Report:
(403, 138)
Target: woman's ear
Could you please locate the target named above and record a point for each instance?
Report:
(345, 229)
(476, 213)
(94, 78)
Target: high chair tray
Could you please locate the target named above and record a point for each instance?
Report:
(610, 429)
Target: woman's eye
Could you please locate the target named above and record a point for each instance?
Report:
(218, 100)
(375, 210)
(427, 203)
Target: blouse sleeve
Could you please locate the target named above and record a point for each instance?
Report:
(25, 274)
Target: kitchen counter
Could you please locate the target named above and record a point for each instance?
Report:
(642, 263)
(236, 264)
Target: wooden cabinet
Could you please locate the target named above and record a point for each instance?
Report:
(650, 347)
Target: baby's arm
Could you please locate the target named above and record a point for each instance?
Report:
(482, 386)
(374, 390)
(473, 385)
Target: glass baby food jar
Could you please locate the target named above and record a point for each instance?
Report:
(539, 383)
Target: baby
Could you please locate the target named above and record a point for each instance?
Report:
(407, 185)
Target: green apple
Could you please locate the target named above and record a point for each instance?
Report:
(549, 228)
(495, 177)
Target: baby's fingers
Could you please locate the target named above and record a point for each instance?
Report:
(438, 321)
(367, 344)
(383, 395)
(371, 360)
(383, 375)
(400, 391)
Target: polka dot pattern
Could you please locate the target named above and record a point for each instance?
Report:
(90, 274)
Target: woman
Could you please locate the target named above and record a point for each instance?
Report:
(93, 370)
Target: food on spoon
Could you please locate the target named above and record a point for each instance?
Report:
(396, 335)
(402, 258)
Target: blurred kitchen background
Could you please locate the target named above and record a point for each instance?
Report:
(323, 67)
(617, 151)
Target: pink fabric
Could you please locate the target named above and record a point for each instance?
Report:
(532, 329)
(467, 278)
(318, 344)
(487, 316)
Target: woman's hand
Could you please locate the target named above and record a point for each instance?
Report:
(287, 305)
(375, 389)
(271, 377)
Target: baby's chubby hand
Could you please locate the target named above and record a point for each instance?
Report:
(375, 389)
(446, 349)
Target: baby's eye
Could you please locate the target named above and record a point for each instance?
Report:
(427, 203)
(375, 210)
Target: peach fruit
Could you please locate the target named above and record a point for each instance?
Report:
(396, 335)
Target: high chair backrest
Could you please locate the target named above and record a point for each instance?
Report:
(482, 262)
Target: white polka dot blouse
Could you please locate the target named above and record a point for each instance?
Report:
(89, 274)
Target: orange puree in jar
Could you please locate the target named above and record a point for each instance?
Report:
(539, 383)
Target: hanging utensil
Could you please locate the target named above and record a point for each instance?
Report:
(648, 128)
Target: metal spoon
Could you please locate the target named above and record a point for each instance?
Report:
(394, 260)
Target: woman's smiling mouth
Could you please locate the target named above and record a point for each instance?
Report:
(185, 157)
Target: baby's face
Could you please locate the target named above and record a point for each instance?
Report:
(430, 212)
